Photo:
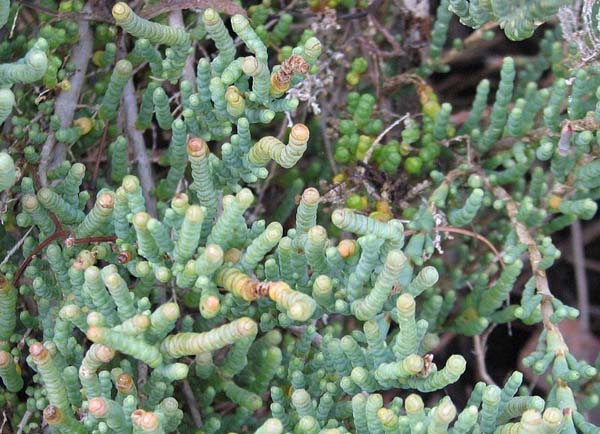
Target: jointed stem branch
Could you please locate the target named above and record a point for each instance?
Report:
(535, 257)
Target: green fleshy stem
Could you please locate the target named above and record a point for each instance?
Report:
(270, 148)
(11, 377)
(142, 28)
(189, 235)
(8, 304)
(187, 344)
(129, 345)
(98, 217)
(28, 70)
(112, 97)
(7, 102)
(51, 376)
(62, 421)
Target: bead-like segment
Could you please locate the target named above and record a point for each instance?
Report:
(478, 106)
(8, 172)
(261, 78)
(146, 422)
(241, 26)
(369, 258)
(7, 102)
(71, 184)
(270, 148)
(133, 190)
(119, 292)
(173, 371)
(322, 290)
(302, 402)
(262, 116)
(98, 217)
(314, 249)
(312, 50)
(29, 69)
(62, 420)
(189, 235)
(260, 246)
(109, 411)
(499, 113)
(582, 208)
(8, 372)
(97, 293)
(162, 109)
(407, 367)
(348, 220)
(306, 215)
(231, 218)
(169, 408)
(244, 398)
(454, 368)
(298, 305)
(38, 214)
(57, 262)
(110, 102)
(151, 55)
(203, 184)
(489, 408)
(389, 420)
(492, 298)
(51, 376)
(146, 110)
(146, 245)
(129, 345)
(374, 404)
(236, 103)
(463, 216)
(440, 126)
(119, 162)
(121, 209)
(209, 261)
(427, 277)
(218, 33)
(73, 386)
(187, 344)
(162, 322)
(134, 326)
(359, 402)
(56, 204)
(8, 304)
(239, 284)
(466, 420)
(270, 426)
(161, 235)
(177, 160)
(237, 357)
(366, 308)
(441, 417)
(142, 28)
(232, 72)
(406, 340)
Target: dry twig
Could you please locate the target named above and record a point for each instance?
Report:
(479, 350)
(144, 166)
(192, 403)
(53, 153)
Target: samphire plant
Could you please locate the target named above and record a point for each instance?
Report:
(138, 297)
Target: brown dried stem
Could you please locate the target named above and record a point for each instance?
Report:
(54, 153)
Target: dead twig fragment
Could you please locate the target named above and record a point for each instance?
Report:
(226, 7)
(54, 153)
